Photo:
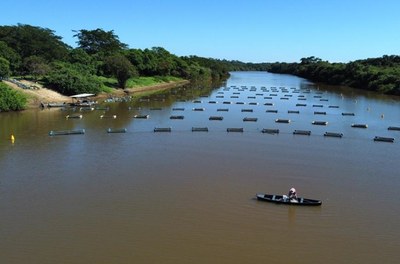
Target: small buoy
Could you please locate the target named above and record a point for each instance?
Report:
(12, 138)
(382, 116)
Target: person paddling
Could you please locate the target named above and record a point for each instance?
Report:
(292, 195)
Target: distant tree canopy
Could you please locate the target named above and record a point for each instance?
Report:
(376, 74)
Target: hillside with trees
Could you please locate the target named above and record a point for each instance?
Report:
(99, 62)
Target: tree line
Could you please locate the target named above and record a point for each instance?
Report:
(40, 54)
(375, 74)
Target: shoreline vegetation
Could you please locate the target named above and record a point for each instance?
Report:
(36, 94)
(102, 65)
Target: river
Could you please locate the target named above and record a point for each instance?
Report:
(189, 197)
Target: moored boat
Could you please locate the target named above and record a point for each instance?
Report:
(279, 199)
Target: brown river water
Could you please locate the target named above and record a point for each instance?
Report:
(189, 197)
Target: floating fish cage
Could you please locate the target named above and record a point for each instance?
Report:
(320, 123)
(240, 103)
(284, 98)
(384, 139)
(333, 106)
(394, 128)
(67, 132)
(301, 104)
(86, 108)
(178, 109)
(267, 97)
(317, 105)
(233, 129)
(293, 112)
(198, 109)
(227, 102)
(319, 113)
(102, 108)
(302, 132)
(251, 97)
(199, 129)
(270, 131)
(197, 101)
(247, 110)
(269, 104)
(253, 103)
(179, 117)
(348, 114)
(271, 111)
(302, 99)
(108, 116)
(74, 116)
(223, 110)
(212, 102)
(217, 118)
(286, 121)
(141, 116)
(250, 119)
(155, 109)
(359, 125)
(162, 129)
(116, 130)
(234, 96)
(333, 134)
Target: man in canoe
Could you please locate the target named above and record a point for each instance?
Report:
(292, 196)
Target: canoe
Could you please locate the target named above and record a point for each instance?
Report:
(279, 200)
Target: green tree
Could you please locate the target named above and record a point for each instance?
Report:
(120, 67)
(36, 66)
(28, 40)
(99, 41)
(9, 54)
(69, 79)
(4, 68)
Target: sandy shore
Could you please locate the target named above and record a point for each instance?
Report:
(44, 95)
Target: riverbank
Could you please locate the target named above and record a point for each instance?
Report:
(38, 94)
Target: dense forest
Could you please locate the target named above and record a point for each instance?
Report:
(374, 74)
(101, 61)
(39, 54)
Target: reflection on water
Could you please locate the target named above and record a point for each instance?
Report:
(188, 197)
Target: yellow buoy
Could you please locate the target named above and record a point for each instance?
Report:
(12, 138)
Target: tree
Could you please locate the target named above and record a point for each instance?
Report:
(69, 79)
(99, 41)
(9, 54)
(28, 40)
(36, 66)
(120, 67)
(4, 68)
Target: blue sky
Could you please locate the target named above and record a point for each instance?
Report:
(245, 30)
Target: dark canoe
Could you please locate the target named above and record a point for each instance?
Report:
(279, 200)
